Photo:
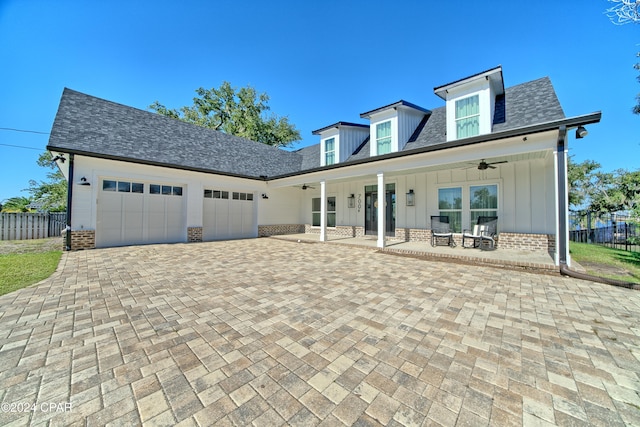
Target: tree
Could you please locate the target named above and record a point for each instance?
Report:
(50, 194)
(625, 12)
(240, 112)
(581, 177)
(636, 108)
(16, 204)
(616, 191)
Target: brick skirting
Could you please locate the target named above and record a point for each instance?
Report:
(528, 242)
(337, 231)
(81, 239)
(280, 229)
(194, 234)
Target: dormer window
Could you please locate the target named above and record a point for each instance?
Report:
(471, 103)
(467, 117)
(329, 151)
(339, 140)
(392, 126)
(383, 137)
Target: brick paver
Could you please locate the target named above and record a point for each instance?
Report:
(269, 332)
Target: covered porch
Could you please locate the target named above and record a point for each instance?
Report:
(499, 257)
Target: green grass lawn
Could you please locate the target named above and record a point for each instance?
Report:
(607, 262)
(23, 263)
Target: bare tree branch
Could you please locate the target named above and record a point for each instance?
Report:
(624, 11)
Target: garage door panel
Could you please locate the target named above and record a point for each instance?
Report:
(132, 217)
(227, 218)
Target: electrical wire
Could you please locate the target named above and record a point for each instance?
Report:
(23, 130)
(20, 146)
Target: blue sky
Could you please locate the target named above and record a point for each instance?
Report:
(319, 61)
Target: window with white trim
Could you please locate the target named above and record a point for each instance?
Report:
(383, 137)
(483, 201)
(329, 151)
(468, 117)
(479, 200)
(450, 204)
(316, 211)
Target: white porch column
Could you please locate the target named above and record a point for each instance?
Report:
(382, 198)
(323, 211)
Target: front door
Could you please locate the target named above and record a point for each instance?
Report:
(371, 210)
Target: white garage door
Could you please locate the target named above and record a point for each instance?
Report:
(131, 213)
(228, 215)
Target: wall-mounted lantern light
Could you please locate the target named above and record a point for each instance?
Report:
(351, 201)
(411, 198)
(581, 132)
(264, 196)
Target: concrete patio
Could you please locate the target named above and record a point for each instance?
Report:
(272, 332)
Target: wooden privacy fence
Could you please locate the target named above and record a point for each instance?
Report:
(27, 225)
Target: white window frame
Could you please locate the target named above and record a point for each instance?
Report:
(493, 210)
(468, 118)
(389, 138)
(328, 152)
(443, 212)
(466, 210)
(329, 212)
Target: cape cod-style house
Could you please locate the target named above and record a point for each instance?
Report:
(137, 177)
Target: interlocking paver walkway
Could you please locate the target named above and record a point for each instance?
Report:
(267, 332)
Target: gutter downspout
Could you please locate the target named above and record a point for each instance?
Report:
(563, 244)
(69, 199)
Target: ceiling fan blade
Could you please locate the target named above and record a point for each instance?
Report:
(489, 166)
(497, 163)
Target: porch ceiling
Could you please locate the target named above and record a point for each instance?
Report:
(514, 158)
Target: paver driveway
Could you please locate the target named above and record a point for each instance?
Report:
(268, 332)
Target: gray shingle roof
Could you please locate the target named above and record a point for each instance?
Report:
(86, 124)
(93, 126)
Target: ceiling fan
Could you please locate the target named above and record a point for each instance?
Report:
(305, 186)
(484, 165)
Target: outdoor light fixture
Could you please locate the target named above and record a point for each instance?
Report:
(411, 198)
(59, 157)
(351, 201)
(264, 196)
(83, 181)
(581, 132)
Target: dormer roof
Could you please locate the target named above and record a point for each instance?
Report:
(339, 125)
(395, 105)
(494, 75)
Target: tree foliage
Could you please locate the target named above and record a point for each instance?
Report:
(616, 191)
(16, 204)
(50, 195)
(242, 112)
(580, 177)
(603, 192)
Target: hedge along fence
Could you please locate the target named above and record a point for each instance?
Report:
(27, 225)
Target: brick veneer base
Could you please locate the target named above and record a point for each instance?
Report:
(81, 239)
(194, 234)
(514, 241)
(528, 242)
(280, 229)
